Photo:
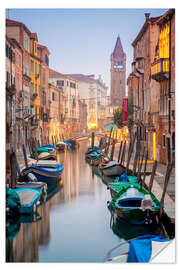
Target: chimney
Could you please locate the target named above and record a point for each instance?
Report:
(147, 16)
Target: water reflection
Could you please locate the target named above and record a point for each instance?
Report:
(75, 221)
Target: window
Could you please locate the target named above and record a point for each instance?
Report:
(67, 83)
(35, 68)
(53, 96)
(32, 67)
(60, 83)
(36, 88)
(47, 60)
(164, 140)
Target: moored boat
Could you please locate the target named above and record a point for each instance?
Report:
(112, 168)
(116, 186)
(43, 173)
(135, 204)
(22, 200)
(46, 156)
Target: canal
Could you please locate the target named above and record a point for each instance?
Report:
(74, 224)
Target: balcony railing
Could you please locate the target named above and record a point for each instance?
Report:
(160, 69)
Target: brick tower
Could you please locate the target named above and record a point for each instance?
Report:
(118, 74)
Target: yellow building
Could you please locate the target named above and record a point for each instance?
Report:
(35, 81)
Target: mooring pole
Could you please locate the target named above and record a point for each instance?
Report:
(13, 169)
(25, 155)
(113, 148)
(92, 140)
(152, 175)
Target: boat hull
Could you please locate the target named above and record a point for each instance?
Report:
(46, 176)
(113, 170)
(135, 216)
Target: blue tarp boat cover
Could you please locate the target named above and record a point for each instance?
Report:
(140, 250)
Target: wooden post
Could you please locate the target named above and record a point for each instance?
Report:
(92, 140)
(112, 150)
(138, 145)
(145, 165)
(131, 147)
(120, 149)
(140, 166)
(25, 155)
(13, 169)
(152, 175)
(166, 181)
(123, 153)
(38, 143)
(109, 141)
(35, 149)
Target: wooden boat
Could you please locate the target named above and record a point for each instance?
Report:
(93, 155)
(91, 150)
(29, 200)
(46, 156)
(112, 168)
(48, 146)
(47, 163)
(116, 186)
(143, 249)
(43, 173)
(44, 149)
(135, 204)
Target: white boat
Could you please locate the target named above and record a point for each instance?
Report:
(112, 168)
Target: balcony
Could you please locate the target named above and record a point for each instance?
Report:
(160, 69)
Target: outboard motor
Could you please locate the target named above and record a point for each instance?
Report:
(31, 177)
(146, 205)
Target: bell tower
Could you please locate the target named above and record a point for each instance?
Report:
(118, 74)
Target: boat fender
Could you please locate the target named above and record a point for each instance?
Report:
(146, 203)
(31, 177)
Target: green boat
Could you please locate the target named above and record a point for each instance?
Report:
(116, 186)
(135, 204)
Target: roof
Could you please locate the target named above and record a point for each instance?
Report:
(86, 78)
(16, 23)
(166, 15)
(82, 77)
(55, 74)
(42, 47)
(143, 29)
(118, 50)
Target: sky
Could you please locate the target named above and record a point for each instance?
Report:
(82, 40)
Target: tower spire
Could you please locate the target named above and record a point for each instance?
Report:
(118, 50)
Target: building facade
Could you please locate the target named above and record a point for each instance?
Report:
(43, 54)
(150, 86)
(69, 86)
(93, 92)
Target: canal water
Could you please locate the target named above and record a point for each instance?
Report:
(74, 224)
